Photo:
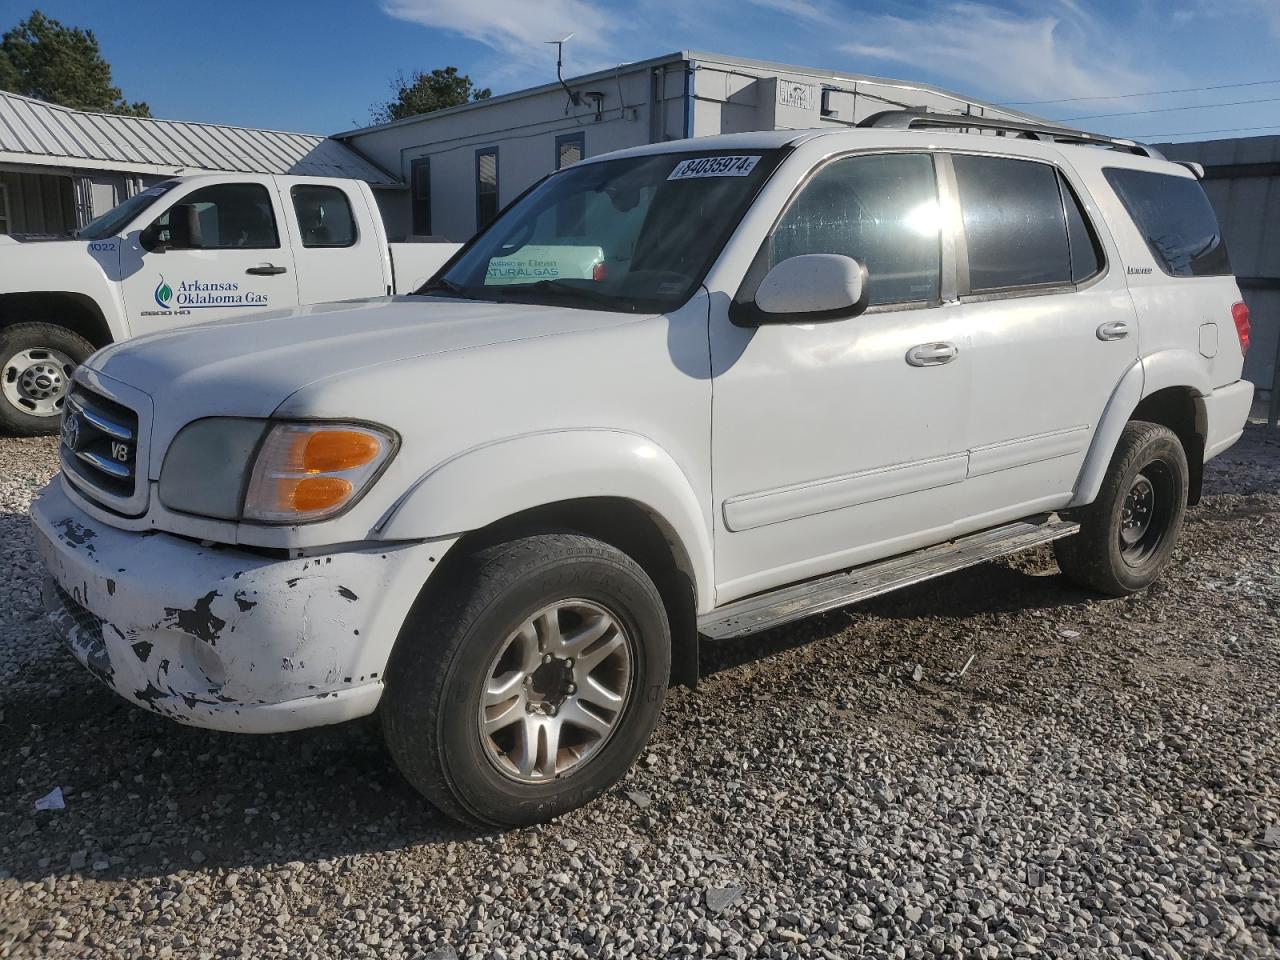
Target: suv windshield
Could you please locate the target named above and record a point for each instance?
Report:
(635, 234)
(118, 217)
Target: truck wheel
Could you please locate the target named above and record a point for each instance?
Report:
(528, 684)
(37, 361)
(1128, 533)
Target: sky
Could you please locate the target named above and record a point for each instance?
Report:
(318, 66)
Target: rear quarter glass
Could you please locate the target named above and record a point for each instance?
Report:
(1176, 220)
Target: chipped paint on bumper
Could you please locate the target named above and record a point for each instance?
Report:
(223, 638)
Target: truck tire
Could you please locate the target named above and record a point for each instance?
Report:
(528, 683)
(1128, 533)
(36, 363)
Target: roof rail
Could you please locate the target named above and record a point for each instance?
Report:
(909, 119)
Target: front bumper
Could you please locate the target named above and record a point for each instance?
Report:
(223, 638)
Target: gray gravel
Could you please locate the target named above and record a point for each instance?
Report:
(1103, 780)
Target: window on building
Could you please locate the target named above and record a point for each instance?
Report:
(1014, 223)
(420, 195)
(882, 210)
(324, 216)
(570, 148)
(486, 186)
(227, 215)
(1176, 219)
(4, 208)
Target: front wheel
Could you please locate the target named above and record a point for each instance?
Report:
(1128, 533)
(36, 363)
(530, 681)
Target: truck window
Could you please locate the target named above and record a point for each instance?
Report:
(1014, 223)
(324, 216)
(1176, 219)
(882, 210)
(231, 215)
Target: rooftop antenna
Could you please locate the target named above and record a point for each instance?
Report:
(573, 97)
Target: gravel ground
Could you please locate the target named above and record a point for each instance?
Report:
(1103, 780)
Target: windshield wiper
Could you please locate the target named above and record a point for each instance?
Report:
(443, 286)
(581, 293)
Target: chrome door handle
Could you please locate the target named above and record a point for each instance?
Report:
(267, 270)
(931, 354)
(1114, 330)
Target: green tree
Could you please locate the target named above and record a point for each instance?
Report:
(43, 59)
(426, 92)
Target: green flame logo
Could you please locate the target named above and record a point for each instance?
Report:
(164, 294)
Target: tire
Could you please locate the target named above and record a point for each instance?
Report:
(477, 633)
(1127, 535)
(36, 362)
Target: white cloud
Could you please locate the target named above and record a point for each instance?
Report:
(1009, 55)
(515, 27)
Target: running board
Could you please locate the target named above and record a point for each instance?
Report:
(762, 611)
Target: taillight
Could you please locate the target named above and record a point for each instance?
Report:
(599, 272)
(1240, 314)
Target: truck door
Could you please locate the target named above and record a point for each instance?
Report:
(1052, 331)
(843, 442)
(336, 259)
(215, 252)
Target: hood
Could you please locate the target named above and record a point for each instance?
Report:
(249, 366)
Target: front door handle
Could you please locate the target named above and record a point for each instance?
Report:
(1114, 330)
(931, 354)
(267, 270)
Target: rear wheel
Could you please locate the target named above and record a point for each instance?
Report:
(528, 684)
(36, 363)
(1127, 535)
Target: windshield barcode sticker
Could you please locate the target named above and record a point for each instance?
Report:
(713, 167)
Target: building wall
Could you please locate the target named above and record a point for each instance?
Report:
(643, 103)
(37, 202)
(1242, 179)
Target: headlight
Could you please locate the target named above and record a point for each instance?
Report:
(300, 472)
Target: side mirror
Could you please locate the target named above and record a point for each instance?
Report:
(810, 288)
(184, 227)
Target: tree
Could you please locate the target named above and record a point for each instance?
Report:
(427, 92)
(43, 59)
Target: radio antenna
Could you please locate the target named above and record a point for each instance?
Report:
(573, 97)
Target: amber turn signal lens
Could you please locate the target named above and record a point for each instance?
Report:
(329, 451)
(309, 494)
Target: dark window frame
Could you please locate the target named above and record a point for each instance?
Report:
(579, 137)
(186, 198)
(744, 298)
(1144, 234)
(481, 222)
(966, 293)
(419, 206)
(355, 226)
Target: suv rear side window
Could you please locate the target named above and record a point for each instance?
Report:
(1014, 223)
(882, 210)
(1176, 219)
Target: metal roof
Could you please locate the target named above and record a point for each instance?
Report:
(35, 132)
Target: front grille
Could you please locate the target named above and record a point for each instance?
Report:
(100, 442)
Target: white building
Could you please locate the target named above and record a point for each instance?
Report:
(462, 164)
(60, 168)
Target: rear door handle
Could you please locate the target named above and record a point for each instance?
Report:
(931, 354)
(1114, 330)
(267, 270)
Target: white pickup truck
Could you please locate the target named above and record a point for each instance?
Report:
(789, 370)
(200, 248)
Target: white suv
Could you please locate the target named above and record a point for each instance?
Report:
(691, 389)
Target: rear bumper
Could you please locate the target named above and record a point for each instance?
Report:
(1226, 413)
(223, 638)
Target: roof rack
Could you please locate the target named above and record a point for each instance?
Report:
(909, 119)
